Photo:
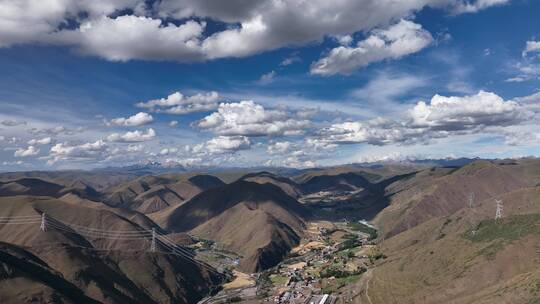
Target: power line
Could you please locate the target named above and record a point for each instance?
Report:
(156, 239)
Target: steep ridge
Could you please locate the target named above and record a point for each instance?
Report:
(440, 192)
(334, 183)
(442, 260)
(259, 221)
(288, 186)
(25, 270)
(98, 180)
(40, 187)
(150, 194)
(442, 247)
(112, 267)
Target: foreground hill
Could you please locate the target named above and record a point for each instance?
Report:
(441, 249)
(74, 260)
(259, 221)
(440, 192)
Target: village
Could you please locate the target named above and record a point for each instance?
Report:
(330, 257)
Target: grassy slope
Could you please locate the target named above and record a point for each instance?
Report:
(440, 261)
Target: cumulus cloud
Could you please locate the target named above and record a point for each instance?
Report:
(466, 6)
(279, 147)
(531, 47)
(132, 136)
(530, 102)
(173, 123)
(167, 151)
(442, 117)
(372, 132)
(223, 144)
(250, 119)
(30, 151)
(42, 141)
(26, 21)
(525, 70)
(401, 39)
(177, 103)
(128, 37)
(138, 119)
(458, 113)
(250, 26)
(67, 151)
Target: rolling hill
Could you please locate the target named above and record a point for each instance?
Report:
(259, 221)
(441, 249)
(150, 194)
(108, 267)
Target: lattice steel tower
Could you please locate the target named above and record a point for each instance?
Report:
(499, 211)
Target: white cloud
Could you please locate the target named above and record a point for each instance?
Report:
(442, 117)
(132, 136)
(173, 123)
(458, 113)
(290, 60)
(470, 6)
(250, 119)
(371, 132)
(66, 151)
(516, 79)
(43, 141)
(30, 151)
(138, 119)
(134, 148)
(250, 26)
(401, 39)
(167, 151)
(531, 47)
(521, 138)
(121, 39)
(223, 144)
(177, 103)
(268, 77)
(279, 147)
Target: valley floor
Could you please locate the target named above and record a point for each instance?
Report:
(331, 263)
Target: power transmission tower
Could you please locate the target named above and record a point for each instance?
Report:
(153, 245)
(471, 200)
(499, 211)
(43, 226)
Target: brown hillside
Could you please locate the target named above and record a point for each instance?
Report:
(288, 186)
(109, 268)
(259, 221)
(150, 194)
(440, 192)
(442, 261)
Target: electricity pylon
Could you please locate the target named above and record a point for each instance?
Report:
(153, 245)
(43, 226)
(471, 200)
(499, 211)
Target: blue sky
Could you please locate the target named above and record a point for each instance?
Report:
(266, 82)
